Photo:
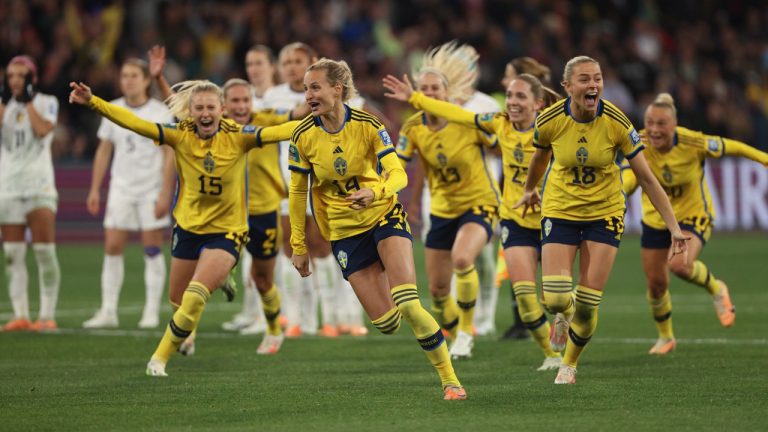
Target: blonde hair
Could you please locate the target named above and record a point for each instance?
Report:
(234, 82)
(665, 100)
(568, 71)
(337, 72)
(178, 103)
(456, 65)
(298, 46)
(531, 66)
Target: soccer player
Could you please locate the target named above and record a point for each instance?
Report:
(520, 236)
(211, 210)
(582, 205)
(28, 197)
(355, 179)
(464, 195)
(142, 179)
(676, 156)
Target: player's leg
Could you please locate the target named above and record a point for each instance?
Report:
(327, 282)
(438, 266)
(42, 224)
(15, 250)
(485, 315)
(112, 274)
(154, 277)
(470, 240)
(290, 282)
(656, 269)
(263, 274)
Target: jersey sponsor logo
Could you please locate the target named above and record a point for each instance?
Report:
(635, 137)
(293, 153)
(547, 227)
(385, 138)
(249, 129)
(208, 163)
(713, 145)
(582, 155)
(486, 117)
(518, 153)
(340, 165)
(504, 234)
(341, 257)
(442, 159)
(402, 143)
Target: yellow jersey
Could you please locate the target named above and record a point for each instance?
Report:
(453, 159)
(338, 164)
(266, 186)
(583, 182)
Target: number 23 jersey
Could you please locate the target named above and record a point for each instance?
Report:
(583, 182)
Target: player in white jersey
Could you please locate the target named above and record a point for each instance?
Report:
(142, 179)
(28, 197)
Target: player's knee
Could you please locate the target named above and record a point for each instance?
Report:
(529, 308)
(657, 286)
(461, 261)
(15, 253)
(152, 251)
(388, 323)
(557, 301)
(681, 268)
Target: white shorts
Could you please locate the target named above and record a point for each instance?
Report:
(133, 216)
(14, 211)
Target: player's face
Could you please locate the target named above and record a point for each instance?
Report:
(431, 85)
(133, 82)
(521, 104)
(320, 95)
(509, 75)
(660, 124)
(237, 103)
(585, 86)
(205, 110)
(293, 64)
(16, 73)
(258, 67)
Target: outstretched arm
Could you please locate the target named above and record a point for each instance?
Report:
(297, 210)
(738, 148)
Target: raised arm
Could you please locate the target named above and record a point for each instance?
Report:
(403, 91)
(738, 148)
(270, 134)
(156, 67)
(81, 94)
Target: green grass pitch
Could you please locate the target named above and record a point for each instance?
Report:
(80, 381)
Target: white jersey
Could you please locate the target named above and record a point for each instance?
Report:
(259, 102)
(26, 165)
(137, 163)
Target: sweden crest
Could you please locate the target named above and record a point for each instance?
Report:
(547, 227)
(208, 163)
(518, 153)
(341, 257)
(666, 173)
(340, 165)
(582, 155)
(504, 234)
(442, 159)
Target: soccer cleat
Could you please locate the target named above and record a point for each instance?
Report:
(462, 346)
(726, 312)
(238, 322)
(293, 332)
(566, 375)
(43, 326)
(229, 287)
(558, 333)
(328, 331)
(18, 324)
(256, 327)
(187, 346)
(550, 363)
(452, 392)
(516, 332)
(102, 320)
(663, 346)
(271, 344)
(358, 331)
(156, 368)
(149, 322)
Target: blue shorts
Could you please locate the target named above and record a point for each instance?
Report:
(563, 231)
(263, 235)
(442, 231)
(653, 238)
(512, 234)
(188, 245)
(360, 251)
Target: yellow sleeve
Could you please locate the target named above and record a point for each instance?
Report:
(270, 117)
(297, 210)
(446, 110)
(628, 180)
(125, 118)
(738, 148)
(257, 137)
(395, 177)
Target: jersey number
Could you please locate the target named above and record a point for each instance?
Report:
(674, 191)
(448, 175)
(516, 170)
(352, 185)
(213, 185)
(583, 175)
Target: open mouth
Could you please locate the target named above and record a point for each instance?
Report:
(590, 99)
(314, 106)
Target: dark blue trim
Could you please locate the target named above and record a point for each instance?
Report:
(722, 141)
(674, 139)
(258, 138)
(600, 106)
(347, 116)
(298, 169)
(479, 126)
(634, 153)
(407, 159)
(161, 139)
(384, 152)
(546, 174)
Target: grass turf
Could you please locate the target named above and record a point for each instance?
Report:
(80, 380)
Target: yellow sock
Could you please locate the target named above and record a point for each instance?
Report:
(447, 312)
(702, 277)
(427, 332)
(270, 302)
(532, 315)
(467, 286)
(184, 320)
(583, 324)
(662, 314)
(558, 295)
(389, 323)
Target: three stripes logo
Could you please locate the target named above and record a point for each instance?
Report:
(583, 140)
(338, 150)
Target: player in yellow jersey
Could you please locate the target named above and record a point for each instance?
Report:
(211, 206)
(520, 236)
(676, 156)
(582, 205)
(464, 196)
(355, 176)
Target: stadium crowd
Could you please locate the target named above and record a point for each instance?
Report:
(711, 56)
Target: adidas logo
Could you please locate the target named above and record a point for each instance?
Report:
(338, 150)
(583, 140)
(439, 145)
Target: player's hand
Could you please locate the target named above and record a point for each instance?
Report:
(361, 198)
(93, 203)
(156, 56)
(81, 93)
(5, 92)
(28, 91)
(398, 90)
(414, 216)
(301, 111)
(679, 245)
(529, 201)
(301, 263)
(163, 204)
